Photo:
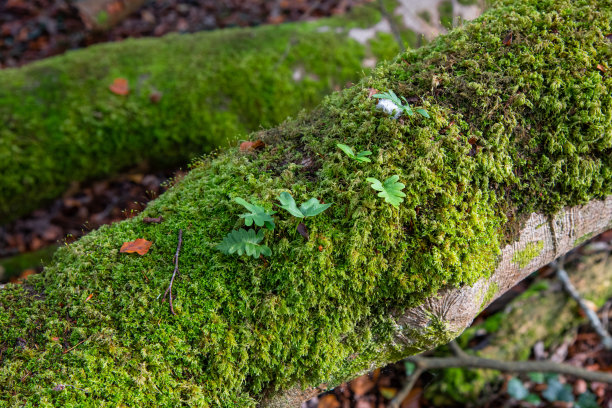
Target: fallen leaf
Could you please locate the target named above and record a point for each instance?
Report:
(361, 385)
(301, 228)
(329, 401)
(140, 246)
(508, 39)
(249, 146)
(155, 96)
(55, 338)
(114, 8)
(151, 220)
(601, 68)
(89, 297)
(372, 92)
(120, 86)
(320, 248)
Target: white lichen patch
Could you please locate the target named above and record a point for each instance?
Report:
(389, 108)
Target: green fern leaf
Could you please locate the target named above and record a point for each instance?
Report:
(390, 189)
(244, 242)
(258, 215)
(309, 208)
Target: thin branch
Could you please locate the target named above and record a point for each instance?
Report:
(76, 345)
(457, 351)
(394, 30)
(405, 391)
(606, 339)
(176, 270)
(467, 361)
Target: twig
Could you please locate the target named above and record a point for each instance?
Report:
(464, 360)
(405, 391)
(176, 269)
(394, 30)
(61, 387)
(606, 339)
(76, 345)
(605, 310)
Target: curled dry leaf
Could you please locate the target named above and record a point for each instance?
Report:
(250, 146)
(140, 246)
(120, 86)
(372, 92)
(155, 96)
(301, 228)
(601, 68)
(508, 39)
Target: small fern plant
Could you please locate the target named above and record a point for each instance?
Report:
(390, 189)
(360, 157)
(244, 242)
(248, 241)
(257, 215)
(308, 208)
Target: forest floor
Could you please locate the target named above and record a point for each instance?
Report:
(35, 29)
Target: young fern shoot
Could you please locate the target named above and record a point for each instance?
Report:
(309, 208)
(390, 189)
(258, 215)
(360, 157)
(244, 242)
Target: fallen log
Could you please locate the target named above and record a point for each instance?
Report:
(506, 167)
(159, 102)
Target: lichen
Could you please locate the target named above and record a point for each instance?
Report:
(531, 251)
(508, 134)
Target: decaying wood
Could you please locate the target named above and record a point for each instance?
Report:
(457, 307)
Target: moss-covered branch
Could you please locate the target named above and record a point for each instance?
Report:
(516, 132)
(188, 95)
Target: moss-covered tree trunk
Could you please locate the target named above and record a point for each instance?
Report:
(188, 94)
(510, 167)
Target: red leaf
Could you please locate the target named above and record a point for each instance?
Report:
(140, 246)
(89, 297)
(120, 86)
(601, 68)
(372, 92)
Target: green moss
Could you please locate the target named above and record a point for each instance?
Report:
(524, 256)
(62, 124)
(468, 2)
(319, 310)
(581, 240)
(491, 292)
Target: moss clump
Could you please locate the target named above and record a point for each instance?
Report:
(319, 309)
(62, 124)
(524, 256)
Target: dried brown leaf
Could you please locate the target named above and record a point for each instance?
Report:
(140, 246)
(120, 86)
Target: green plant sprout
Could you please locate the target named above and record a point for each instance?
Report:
(258, 215)
(309, 208)
(242, 242)
(390, 189)
(399, 105)
(360, 157)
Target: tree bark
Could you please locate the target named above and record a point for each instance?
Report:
(504, 170)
